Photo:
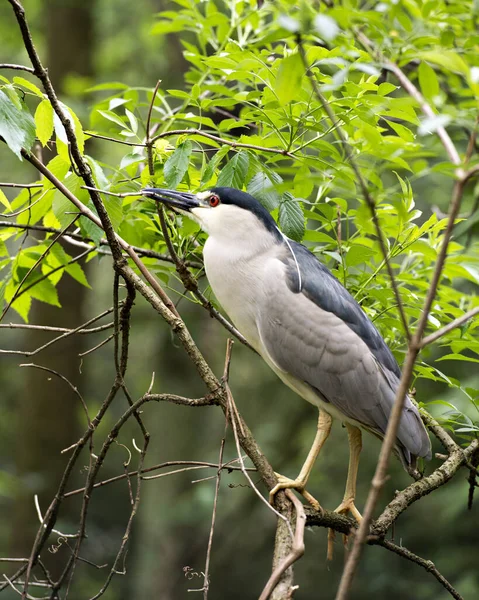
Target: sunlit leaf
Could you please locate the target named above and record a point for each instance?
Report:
(289, 78)
(44, 121)
(177, 164)
(17, 126)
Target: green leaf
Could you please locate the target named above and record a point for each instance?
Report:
(448, 59)
(44, 291)
(90, 230)
(458, 357)
(291, 218)
(262, 188)
(212, 164)
(288, 79)
(28, 85)
(59, 168)
(44, 121)
(428, 81)
(114, 208)
(235, 172)
(22, 306)
(358, 254)
(75, 271)
(386, 88)
(17, 126)
(177, 164)
(5, 202)
(111, 116)
(133, 120)
(130, 159)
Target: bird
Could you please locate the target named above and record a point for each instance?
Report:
(305, 325)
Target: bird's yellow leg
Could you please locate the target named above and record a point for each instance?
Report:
(355, 446)
(347, 505)
(299, 484)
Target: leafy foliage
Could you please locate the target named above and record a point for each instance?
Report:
(248, 117)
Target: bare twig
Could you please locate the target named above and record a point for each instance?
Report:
(187, 464)
(96, 347)
(414, 342)
(206, 578)
(68, 332)
(421, 488)
(68, 382)
(449, 327)
(148, 141)
(55, 329)
(27, 186)
(428, 565)
(297, 549)
(17, 67)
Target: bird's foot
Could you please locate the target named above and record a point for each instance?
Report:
(346, 506)
(285, 483)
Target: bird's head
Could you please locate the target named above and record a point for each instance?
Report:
(220, 211)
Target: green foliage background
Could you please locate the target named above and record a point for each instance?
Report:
(245, 115)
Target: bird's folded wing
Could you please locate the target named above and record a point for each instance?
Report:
(330, 344)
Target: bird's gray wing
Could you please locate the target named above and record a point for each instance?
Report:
(318, 335)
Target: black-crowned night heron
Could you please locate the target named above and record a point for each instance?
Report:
(305, 325)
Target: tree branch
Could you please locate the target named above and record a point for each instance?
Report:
(428, 565)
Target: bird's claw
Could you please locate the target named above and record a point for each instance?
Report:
(285, 483)
(346, 506)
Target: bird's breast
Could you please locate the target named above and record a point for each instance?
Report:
(238, 283)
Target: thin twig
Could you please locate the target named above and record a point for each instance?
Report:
(231, 143)
(389, 440)
(148, 141)
(206, 578)
(111, 139)
(233, 419)
(54, 329)
(17, 67)
(96, 347)
(297, 549)
(428, 565)
(67, 333)
(68, 382)
(189, 464)
(449, 327)
(27, 186)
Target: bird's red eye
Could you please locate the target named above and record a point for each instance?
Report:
(214, 200)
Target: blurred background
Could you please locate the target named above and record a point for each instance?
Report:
(86, 42)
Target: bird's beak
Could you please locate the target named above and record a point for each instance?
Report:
(180, 200)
